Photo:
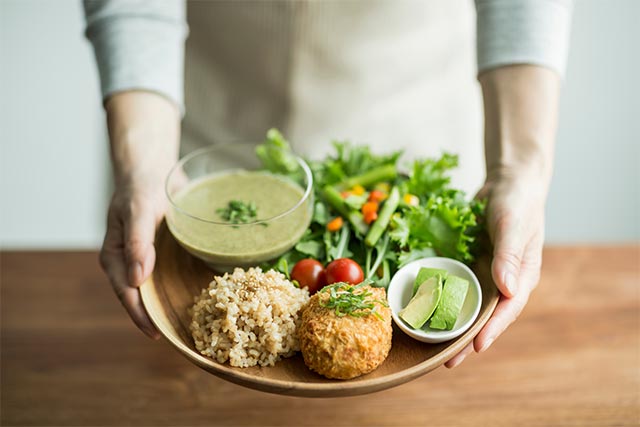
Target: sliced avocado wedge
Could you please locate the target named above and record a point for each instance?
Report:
(423, 303)
(453, 296)
(426, 273)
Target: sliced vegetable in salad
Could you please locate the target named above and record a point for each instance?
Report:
(367, 210)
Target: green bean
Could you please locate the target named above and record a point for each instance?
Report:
(379, 174)
(333, 197)
(388, 208)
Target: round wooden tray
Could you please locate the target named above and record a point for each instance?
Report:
(178, 277)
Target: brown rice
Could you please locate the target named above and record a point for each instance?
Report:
(248, 318)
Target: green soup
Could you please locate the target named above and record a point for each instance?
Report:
(198, 226)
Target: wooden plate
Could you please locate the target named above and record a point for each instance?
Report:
(178, 277)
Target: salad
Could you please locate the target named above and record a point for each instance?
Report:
(368, 211)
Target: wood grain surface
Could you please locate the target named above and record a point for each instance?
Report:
(178, 278)
(70, 356)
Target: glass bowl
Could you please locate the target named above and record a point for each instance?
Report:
(201, 188)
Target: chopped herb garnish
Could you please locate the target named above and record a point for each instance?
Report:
(351, 300)
(239, 212)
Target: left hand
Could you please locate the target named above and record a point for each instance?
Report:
(520, 115)
(515, 221)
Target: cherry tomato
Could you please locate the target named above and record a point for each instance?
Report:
(310, 274)
(344, 270)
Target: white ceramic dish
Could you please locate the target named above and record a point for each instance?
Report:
(399, 295)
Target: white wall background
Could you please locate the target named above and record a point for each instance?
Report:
(54, 168)
(595, 194)
(54, 171)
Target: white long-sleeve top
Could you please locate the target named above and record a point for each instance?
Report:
(390, 73)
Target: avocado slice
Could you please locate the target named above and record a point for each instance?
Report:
(426, 273)
(453, 296)
(423, 303)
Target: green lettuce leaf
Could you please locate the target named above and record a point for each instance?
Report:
(399, 230)
(443, 224)
(312, 248)
(429, 176)
(320, 213)
(337, 244)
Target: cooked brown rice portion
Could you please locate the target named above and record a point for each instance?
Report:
(248, 318)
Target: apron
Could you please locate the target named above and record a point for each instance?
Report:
(390, 74)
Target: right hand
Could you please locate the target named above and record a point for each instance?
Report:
(144, 132)
(128, 254)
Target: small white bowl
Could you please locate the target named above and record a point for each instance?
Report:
(401, 288)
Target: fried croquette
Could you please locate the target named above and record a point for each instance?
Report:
(345, 345)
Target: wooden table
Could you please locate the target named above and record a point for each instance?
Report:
(70, 356)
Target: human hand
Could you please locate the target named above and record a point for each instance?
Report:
(144, 130)
(515, 221)
(128, 254)
(520, 115)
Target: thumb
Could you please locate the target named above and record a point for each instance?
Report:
(508, 248)
(139, 234)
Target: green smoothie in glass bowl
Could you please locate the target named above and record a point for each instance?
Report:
(228, 212)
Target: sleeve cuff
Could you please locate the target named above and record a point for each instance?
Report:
(523, 32)
(140, 50)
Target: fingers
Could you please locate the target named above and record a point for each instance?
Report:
(507, 254)
(458, 358)
(516, 226)
(139, 233)
(130, 299)
(505, 313)
(508, 309)
(112, 261)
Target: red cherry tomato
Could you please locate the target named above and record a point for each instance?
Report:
(344, 270)
(310, 274)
